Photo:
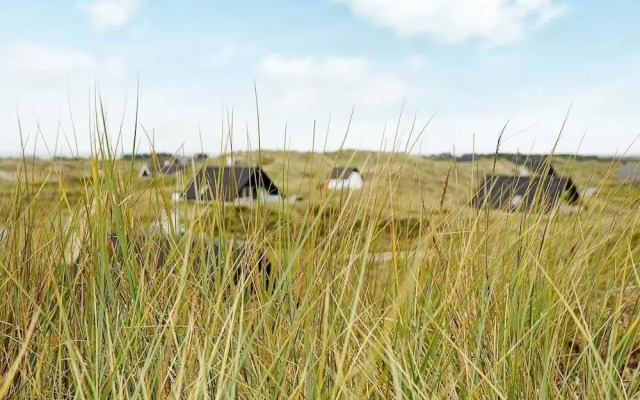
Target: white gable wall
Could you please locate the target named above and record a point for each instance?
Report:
(145, 172)
(263, 195)
(353, 181)
(524, 171)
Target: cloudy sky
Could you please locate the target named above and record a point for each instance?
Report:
(474, 64)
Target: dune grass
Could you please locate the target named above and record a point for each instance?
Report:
(396, 291)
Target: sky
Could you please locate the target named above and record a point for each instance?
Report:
(321, 74)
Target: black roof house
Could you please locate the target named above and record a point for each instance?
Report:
(539, 193)
(541, 167)
(538, 167)
(171, 169)
(343, 172)
(163, 166)
(230, 182)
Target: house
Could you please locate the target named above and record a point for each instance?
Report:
(525, 192)
(166, 166)
(200, 156)
(629, 173)
(171, 169)
(541, 168)
(345, 178)
(145, 171)
(234, 184)
(537, 167)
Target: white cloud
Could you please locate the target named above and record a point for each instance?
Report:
(417, 62)
(332, 81)
(300, 91)
(301, 68)
(279, 66)
(110, 14)
(297, 91)
(141, 29)
(35, 58)
(228, 54)
(493, 21)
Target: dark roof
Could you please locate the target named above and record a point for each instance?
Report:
(231, 180)
(168, 160)
(166, 166)
(343, 172)
(538, 166)
(169, 169)
(535, 192)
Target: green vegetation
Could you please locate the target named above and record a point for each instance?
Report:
(396, 291)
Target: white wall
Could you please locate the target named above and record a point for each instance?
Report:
(145, 172)
(354, 181)
(524, 171)
(264, 196)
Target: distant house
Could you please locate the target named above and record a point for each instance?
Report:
(345, 178)
(166, 166)
(200, 156)
(539, 193)
(629, 173)
(171, 169)
(234, 184)
(543, 168)
(540, 167)
(145, 171)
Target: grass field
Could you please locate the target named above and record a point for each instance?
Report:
(400, 290)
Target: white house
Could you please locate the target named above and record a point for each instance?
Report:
(166, 166)
(237, 184)
(345, 178)
(537, 167)
(145, 171)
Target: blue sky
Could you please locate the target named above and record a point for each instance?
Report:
(475, 64)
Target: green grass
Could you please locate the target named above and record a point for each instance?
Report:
(463, 303)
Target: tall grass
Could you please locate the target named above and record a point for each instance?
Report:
(363, 301)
